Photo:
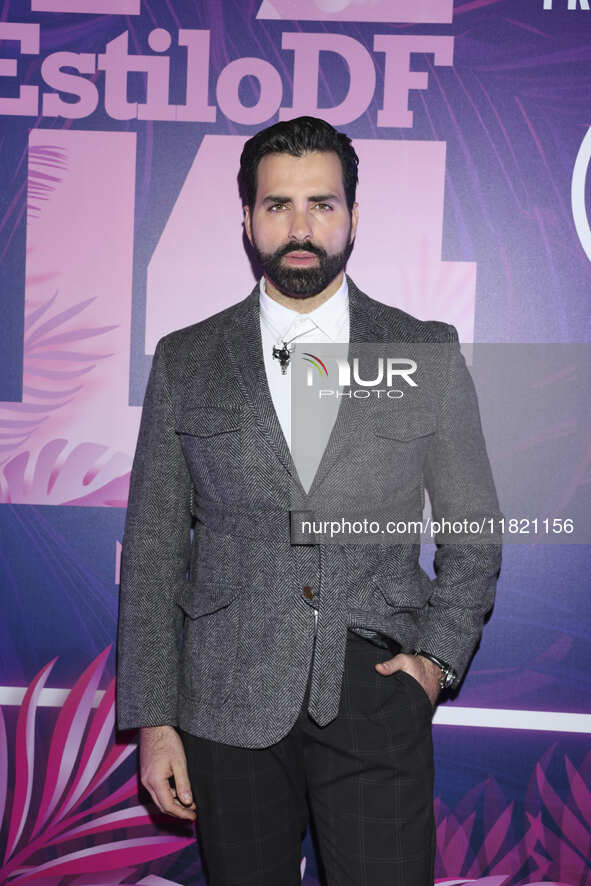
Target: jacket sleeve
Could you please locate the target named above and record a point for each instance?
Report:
(154, 561)
(459, 480)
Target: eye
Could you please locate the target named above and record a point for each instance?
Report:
(275, 207)
(324, 207)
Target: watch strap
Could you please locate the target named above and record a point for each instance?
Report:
(448, 675)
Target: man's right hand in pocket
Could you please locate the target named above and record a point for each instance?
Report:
(161, 756)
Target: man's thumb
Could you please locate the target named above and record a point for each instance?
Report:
(181, 781)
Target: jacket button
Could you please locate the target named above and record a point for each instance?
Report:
(309, 592)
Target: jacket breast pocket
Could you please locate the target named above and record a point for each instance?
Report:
(404, 427)
(401, 441)
(211, 437)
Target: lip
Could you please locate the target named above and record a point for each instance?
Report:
(301, 257)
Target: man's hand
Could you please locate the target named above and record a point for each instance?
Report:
(162, 755)
(424, 671)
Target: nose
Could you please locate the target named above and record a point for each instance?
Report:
(300, 228)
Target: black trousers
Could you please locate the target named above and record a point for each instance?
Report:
(365, 780)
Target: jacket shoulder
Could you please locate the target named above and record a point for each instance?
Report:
(194, 358)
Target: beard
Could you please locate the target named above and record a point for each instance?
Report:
(303, 282)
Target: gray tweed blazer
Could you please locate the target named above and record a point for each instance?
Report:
(223, 608)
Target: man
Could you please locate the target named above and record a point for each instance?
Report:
(307, 672)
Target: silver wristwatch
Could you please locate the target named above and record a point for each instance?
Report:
(448, 675)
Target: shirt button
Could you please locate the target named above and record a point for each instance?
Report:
(309, 592)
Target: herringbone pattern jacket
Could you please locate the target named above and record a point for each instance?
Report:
(223, 611)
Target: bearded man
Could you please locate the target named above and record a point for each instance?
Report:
(277, 679)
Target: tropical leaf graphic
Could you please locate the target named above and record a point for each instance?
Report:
(56, 359)
(561, 819)
(69, 813)
(95, 830)
(45, 164)
(87, 474)
(54, 367)
(552, 844)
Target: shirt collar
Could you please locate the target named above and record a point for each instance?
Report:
(327, 317)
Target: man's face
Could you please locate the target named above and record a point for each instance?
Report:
(300, 226)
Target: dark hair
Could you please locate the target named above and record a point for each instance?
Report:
(297, 137)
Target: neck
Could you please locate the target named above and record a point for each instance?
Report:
(303, 305)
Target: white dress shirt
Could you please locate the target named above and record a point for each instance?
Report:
(327, 323)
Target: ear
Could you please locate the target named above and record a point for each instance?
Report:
(247, 223)
(354, 221)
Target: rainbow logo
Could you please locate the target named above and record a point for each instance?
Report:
(316, 362)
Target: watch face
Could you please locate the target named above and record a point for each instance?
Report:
(448, 678)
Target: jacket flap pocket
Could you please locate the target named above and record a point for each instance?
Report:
(203, 600)
(206, 421)
(401, 600)
(404, 426)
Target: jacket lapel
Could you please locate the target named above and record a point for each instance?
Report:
(363, 327)
(245, 350)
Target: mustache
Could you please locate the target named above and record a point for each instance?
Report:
(302, 247)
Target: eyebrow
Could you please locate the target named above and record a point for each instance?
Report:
(318, 198)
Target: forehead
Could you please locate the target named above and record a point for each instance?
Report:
(318, 172)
